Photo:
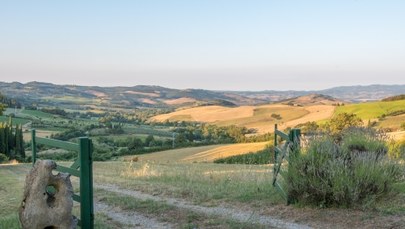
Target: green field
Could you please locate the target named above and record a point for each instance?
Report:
(371, 110)
(19, 121)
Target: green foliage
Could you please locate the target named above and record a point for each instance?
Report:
(3, 158)
(353, 171)
(308, 127)
(11, 141)
(403, 126)
(394, 98)
(343, 121)
(2, 108)
(363, 140)
(261, 157)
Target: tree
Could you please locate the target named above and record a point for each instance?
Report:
(343, 121)
(149, 141)
(2, 108)
(135, 143)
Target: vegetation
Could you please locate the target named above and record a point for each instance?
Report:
(371, 110)
(394, 98)
(2, 108)
(11, 142)
(350, 172)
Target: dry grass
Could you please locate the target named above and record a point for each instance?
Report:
(252, 117)
(398, 135)
(38, 133)
(210, 113)
(316, 113)
(200, 154)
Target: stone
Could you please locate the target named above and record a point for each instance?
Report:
(41, 208)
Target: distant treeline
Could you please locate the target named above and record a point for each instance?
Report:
(11, 142)
(9, 102)
(394, 98)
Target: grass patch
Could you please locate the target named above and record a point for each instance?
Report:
(202, 183)
(371, 110)
(16, 121)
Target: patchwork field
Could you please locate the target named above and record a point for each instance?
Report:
(261, 118)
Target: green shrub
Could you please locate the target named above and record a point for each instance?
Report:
(351, 172)
(264, 156)
(3, 158)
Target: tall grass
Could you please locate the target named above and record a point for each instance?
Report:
(354, 171)
(203, 182)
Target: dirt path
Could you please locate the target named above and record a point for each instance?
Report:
(131, 219)
(230, 213)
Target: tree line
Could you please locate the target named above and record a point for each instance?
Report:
(11, 142)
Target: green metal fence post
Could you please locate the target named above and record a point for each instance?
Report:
(86, 184)
(275, 151)
(33, 147)
(294, 137)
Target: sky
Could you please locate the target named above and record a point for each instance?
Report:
(209, 44)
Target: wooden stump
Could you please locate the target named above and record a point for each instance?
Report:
(41, 208)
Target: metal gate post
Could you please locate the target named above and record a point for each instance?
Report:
(86, 184)
(33, 147)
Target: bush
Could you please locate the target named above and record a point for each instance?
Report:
(350, 172)
(3, 158)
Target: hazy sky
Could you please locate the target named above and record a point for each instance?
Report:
(218, 44)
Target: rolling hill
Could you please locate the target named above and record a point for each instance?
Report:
(73, 96)
(261, 118)
(144, 96)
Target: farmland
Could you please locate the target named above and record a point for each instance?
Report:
(371, 110)
(201, 153)
(164, 171)
(255, 117)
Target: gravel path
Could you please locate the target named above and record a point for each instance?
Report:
(235, 214)
(131, 219)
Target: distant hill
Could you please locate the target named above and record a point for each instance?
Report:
(344, 93)
(312, 99)
(80, 97)
(259, 118)
(73, 96)
(394, 98)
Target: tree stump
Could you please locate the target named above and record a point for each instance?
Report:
(42, 209)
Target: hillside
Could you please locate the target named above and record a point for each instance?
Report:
(260, 118)
(83, 97)
(73, 96)
(344, 93)
(387, 114)
(312, 99)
